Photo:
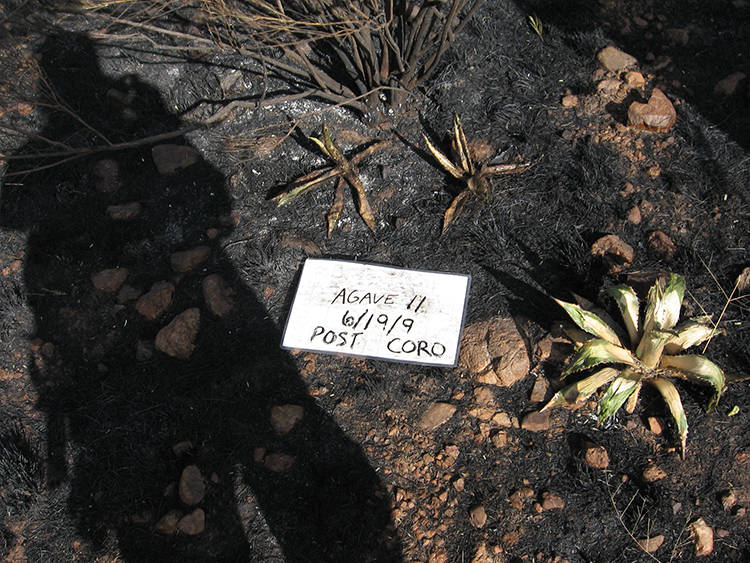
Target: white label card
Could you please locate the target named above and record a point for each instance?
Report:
(381, 312)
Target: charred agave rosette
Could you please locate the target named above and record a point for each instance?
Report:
(655, 354)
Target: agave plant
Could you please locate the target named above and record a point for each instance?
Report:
(655, 352)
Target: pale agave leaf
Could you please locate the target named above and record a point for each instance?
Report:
(462, 147)
(629, 306)
(580, 390)
(454, 209)
(697, 369)
(577, 335)
(597, 351)
(444, 161)
(632, 401)
(321, 146)
(337, 208)
(330, 148)
(603, 315)
(663, 303)
(617, 393)
(690, 333)
(651, 346)
(669, 392)
(590, 322)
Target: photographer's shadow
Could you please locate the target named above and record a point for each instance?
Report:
(169, 437)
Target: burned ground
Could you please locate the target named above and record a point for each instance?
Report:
(99, 430)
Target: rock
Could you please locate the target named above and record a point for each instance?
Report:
(125, 211)
(499, 439)
(519, 497)
(614, 252)
(478, 516)
(437, 415)
(541, 392)
(110, 280)
(177, 339)
(703, 537)
(192, 486)
(728, 85)
(218, 296)
(634, 215)
(662, 244)
(144, 350)
(185, 260)
(650, 545)
(285, 417)
(743, 281)
(181, 448)
(569, 101)
(106, 175)
(156, 301)
(635, 79)
(278, 462)
(482, 413)
(611, 89)
(296, 242)
(167, 524)
(655, 424)
(551, 501)
(496, 351)
(502, 419)
(657, 115)
(128, 294)
(653, 473)
(677, 36)
(170, 159)
(486, 555)
(595, 456)
(536, 421)
(615, 60)
(484, 396)
(194, 523)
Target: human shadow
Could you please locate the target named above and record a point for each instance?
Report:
(170, 450)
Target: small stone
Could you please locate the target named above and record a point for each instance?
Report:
(640, 22)
(285, 417)
(721, 533)
(499, 439)
(167, 524)
(478, 516)
(170, 159)
(551, 501)
(519, 497)
(156, 301)
(635, 79)
(595, 456)
(459, 484)
(144, 350)
(540, 393)
(194, 523)
(536, 421)
(677, 36)
(110, 280)
(128, 294)
(218, 296)
(106, 176)
(662, 244)
(569, 101)
(650, 545)
(177, 339)
(483, 396)
(657, 115)
(615, 60)
(653, 473)
(437, 414)
(610, 89)
(231, 219)
(125, 211)
(296, 242)
(655, 424)
(614, 251)
(703, 537)
(185, 260)
(192, 486)
(181, 448)
(495, 348)
(278, 462)
(486, 555)
(634, 215)
(501, 419)
(728, 85)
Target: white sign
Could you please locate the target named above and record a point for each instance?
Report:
(382, 312)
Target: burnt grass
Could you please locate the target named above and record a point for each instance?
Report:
(88, 463)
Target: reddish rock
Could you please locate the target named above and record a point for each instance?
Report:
(657, 115)
(194, 523)
(652, 473)
(278, 462)
(678, 36)
(570, 101)
(110, 280)
(185, 260)
(551, 501)
(728, 85)
(144, 350)
(635, 79)
(662, 244)
(615, 252)
(296, 242)
(192, 485)
(285, 417)
(167, 524)
(177, 339)
(437, 415)
(128, 294)
(652, 544)
(540, 393)
(125, 211)
(156, 301)
(478, 516)
(496, 351)
(595, 456)
(218, 296)
(106, 175)
(634, 215)
(615, 60)
(536, 421)
(703, 537)
(170, 159)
